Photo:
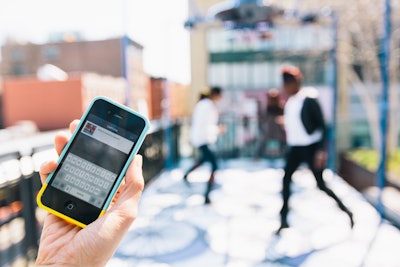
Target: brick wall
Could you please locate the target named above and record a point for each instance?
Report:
(50, 105)
(54, 104)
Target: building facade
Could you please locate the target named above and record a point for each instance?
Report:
(117, 57)
(168, 99)
(54, 104)
(247, 64)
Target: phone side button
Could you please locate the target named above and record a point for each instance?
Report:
(70, 206)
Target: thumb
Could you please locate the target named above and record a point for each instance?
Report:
(45, 169)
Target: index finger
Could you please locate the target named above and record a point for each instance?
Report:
(62, 138)
(73, 125)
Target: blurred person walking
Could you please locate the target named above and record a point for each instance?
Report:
(273, 135)
(306, 137)
(204, 133)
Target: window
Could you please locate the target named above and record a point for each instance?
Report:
(50, 53)
(17, 55)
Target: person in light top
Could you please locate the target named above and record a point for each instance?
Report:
(204, 133)
(305, 136)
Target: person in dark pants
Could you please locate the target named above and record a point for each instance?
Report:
(204, 133)
(305, 136)
(272, 132)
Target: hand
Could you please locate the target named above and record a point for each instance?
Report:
(64, 244)
(221, 128)
(280, 120)
(320, 159)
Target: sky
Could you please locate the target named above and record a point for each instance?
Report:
(156, 24)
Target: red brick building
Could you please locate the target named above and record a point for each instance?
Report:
(168, 96)
(117, 57)
(54, 104)
(116, 67)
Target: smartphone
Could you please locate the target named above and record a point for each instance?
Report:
(93, 163)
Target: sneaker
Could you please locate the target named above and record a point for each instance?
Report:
(284, 225)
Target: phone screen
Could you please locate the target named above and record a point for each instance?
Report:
(94, 161)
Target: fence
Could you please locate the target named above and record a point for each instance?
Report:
(18, 224)
(244, 138)
(20, 219)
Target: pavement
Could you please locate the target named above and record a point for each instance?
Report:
(175, 228)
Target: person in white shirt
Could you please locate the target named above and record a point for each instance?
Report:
(204, 133)
(305, 135)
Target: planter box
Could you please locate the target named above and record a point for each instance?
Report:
(357, 176)
(365, 182)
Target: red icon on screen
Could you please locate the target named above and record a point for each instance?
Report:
(89, 128)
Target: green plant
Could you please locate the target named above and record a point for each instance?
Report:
(369, 159)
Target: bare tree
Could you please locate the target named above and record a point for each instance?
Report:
(361, 28)
(365, 25)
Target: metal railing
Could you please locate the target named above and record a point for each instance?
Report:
(18, 224)
(244, 138)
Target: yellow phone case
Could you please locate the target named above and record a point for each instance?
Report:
(59, 214)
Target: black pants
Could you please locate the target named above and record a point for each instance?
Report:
(206, 156)
(295, 156)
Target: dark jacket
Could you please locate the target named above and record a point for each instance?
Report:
(313, 119)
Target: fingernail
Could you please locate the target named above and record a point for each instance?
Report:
(43, 164)
(139, 161)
